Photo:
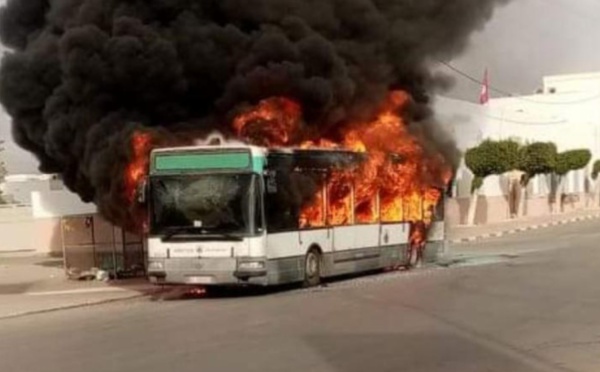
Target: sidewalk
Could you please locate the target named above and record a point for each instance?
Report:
(32, 284)
(462, 234)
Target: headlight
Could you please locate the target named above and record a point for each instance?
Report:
(251, 265)
(156, 266)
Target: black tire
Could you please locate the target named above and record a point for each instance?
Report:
(312, 268)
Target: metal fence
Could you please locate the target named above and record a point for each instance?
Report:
(91, 244)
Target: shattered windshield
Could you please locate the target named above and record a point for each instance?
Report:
(207, 204)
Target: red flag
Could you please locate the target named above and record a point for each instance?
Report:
(484, 97)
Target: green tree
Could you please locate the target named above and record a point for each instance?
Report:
(571, 161)
(567, 162)
(487, 159)
(491, 158)
(538, 158)
(595, 174)
(596, 170)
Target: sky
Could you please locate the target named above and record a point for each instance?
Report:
(526, 40)
(529, 39)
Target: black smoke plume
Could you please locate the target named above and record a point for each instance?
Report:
(83, 75)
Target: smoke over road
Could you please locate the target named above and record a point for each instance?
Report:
(83, 75)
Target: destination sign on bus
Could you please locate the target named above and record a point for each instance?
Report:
(201, 161)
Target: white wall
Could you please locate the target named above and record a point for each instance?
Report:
(570, 118)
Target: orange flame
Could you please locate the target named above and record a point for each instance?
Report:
(141, 144)
(313, 215)
(399, 181)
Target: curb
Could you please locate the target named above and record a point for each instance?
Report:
(71, 307)
(500, 234)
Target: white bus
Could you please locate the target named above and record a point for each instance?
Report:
(233, 216)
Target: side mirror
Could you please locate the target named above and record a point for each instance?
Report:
(141, 191)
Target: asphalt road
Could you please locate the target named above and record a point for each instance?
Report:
(535, 309)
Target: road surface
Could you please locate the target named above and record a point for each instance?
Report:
(536, 309)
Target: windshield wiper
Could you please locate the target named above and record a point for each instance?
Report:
(219, 234)
(225, 236)
(202, 233)
(181, 230)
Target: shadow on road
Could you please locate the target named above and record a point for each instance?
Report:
(51, 262)
(193, 293)
(13, 289)
(190, 293)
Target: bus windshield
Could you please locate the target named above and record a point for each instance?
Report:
(205, 204)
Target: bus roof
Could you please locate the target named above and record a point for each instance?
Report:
(166, 150)
(263, 150)
(255, 150)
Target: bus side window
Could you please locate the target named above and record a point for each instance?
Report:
(340, 201)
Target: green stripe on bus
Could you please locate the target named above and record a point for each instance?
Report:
(200, 162)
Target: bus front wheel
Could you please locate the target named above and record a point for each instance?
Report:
(312, 268)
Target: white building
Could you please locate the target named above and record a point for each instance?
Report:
(46, 195)
(566, 112)
(17, 188)
(35, 222)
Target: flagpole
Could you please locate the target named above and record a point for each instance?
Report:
(484, 96)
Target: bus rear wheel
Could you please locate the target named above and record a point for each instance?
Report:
(312, 268)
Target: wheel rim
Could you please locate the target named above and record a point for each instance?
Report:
(312, 265)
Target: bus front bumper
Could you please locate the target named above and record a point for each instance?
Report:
(208, 271)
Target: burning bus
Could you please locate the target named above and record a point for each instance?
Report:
(94, 87)
(228, 215)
